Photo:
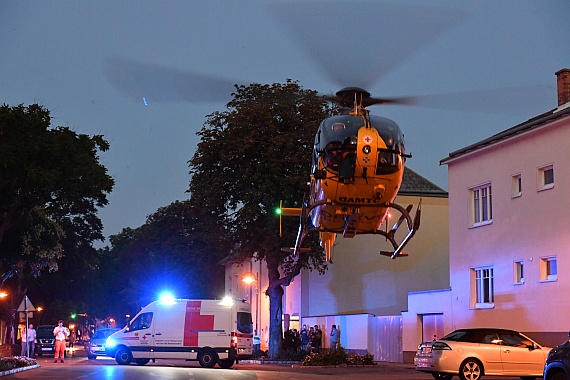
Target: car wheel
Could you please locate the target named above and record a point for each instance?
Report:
(123, 356)
(91, 357)
(442, 376)
(471, 369)
(142, 361)
(226, 363)
(208, 358)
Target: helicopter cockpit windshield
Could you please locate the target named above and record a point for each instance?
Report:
(337, 140)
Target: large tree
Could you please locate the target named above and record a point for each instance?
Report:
(51, 185)
(250, 157)
(173, 251)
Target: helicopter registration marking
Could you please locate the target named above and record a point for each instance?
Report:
(367, 139)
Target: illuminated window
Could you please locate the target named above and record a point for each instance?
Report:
(546, 177)
(548, 269)
(481, 211)
(518, 272)
(482, 287)
(516, 186)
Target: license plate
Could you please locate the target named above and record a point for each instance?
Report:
(46, 349)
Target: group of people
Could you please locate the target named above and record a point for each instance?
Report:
(312, 338)
(60, 333)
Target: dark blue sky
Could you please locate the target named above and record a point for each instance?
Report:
(55, 53)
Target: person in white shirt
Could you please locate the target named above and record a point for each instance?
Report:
(60, 333)
(28, 340)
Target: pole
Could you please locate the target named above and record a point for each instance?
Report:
(26, 327)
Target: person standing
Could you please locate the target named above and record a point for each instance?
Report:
(335, 338)
(256, 343)
(60, 333)
(28, 341)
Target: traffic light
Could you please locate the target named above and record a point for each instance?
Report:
(73, 316)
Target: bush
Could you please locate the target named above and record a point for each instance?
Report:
(10, 362)
(291, 355)
(332, 357)
(337, 357)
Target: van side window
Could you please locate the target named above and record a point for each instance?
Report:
(143, 321)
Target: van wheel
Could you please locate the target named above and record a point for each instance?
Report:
(226, 363)
(123, 356)
(470, 369)
(208, 358)
(142, 361)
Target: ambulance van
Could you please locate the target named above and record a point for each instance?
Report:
(209, 331)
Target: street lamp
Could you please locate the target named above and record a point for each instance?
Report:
(250, 278)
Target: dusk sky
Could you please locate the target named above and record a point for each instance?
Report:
(117, 67)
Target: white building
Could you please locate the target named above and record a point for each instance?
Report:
(509, 243)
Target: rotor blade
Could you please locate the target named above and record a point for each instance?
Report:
(508, 100)
(359, 42)
(152, 83)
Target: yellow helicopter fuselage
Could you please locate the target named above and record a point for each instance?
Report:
(358, 167)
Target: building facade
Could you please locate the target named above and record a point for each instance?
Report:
(362, 292)
(508, 242)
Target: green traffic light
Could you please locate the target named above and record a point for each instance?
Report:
(73, 316)
(278, 211)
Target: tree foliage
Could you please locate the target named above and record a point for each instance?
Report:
(250, 157)
(172, 251)
(51, 184)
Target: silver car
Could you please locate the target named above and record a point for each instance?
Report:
(472, 353)
(96, 345)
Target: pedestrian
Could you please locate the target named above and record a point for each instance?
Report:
(335, 338)
(60, 333)
(256, 343)
(29, 340)
(304, 336)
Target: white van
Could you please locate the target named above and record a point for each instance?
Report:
(210, 331)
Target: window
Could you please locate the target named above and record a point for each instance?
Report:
(546, 177)
(516, 186)
(518, 272)
(548, 269)
(481, 205)
(483, 292)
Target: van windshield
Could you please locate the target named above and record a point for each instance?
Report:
(244, 323)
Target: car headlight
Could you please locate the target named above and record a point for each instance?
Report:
(110, 342)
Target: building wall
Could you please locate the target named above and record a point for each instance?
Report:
(525, 228)
(362, 281)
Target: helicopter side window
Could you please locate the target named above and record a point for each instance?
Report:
(388, 162)
(333, 155)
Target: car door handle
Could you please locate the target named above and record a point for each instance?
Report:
(506, 351)
(158, 334)
(148, 334)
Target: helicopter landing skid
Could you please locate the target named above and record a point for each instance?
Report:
(413, 226)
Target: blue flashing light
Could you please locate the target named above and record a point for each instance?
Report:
(167, 298)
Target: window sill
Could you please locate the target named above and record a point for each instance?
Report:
(479, 306)
(481, 224)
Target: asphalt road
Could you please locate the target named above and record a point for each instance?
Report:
(77, 366)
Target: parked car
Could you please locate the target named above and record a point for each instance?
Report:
(557, 365)
(473, 353)
(45, 341)
(96, 344)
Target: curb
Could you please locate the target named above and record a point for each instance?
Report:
(16, 370)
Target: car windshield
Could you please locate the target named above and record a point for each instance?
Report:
(44, 332)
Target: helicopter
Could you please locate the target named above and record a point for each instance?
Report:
(358, 159)
(357, 169)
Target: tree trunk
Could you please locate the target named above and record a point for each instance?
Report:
(275, 294)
